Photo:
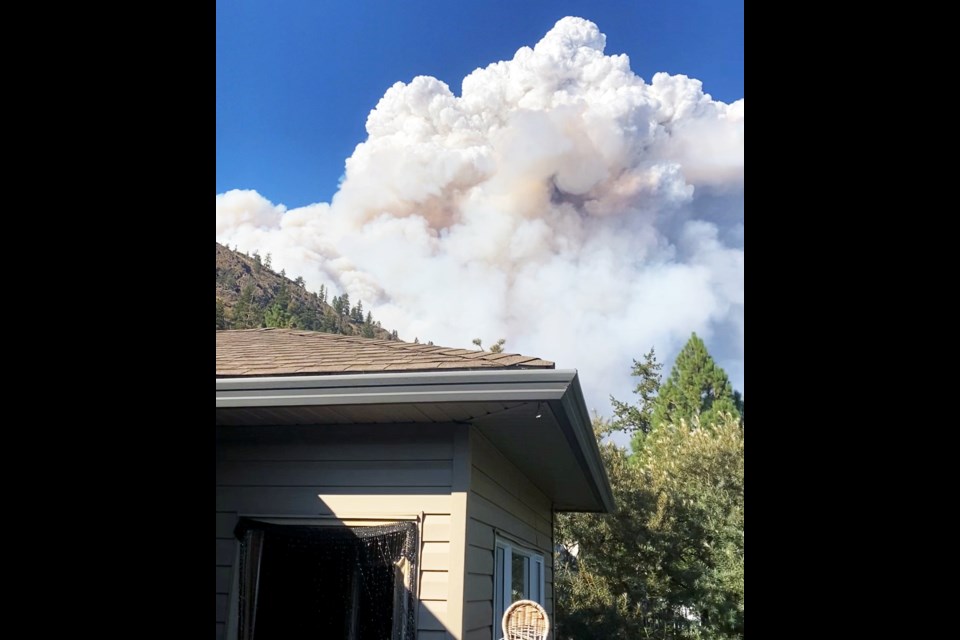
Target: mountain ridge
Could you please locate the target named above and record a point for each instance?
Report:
(251, 295)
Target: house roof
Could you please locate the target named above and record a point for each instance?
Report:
(273, 377)
(290, 352)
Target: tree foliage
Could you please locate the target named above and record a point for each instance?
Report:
(221, 315)
(367, 329)
(633, 418)
(697, 389)
(247, 312)
(276, 315)
(668, 563)
(251, 295)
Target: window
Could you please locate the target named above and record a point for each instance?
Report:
(517, 575)
(356, 583)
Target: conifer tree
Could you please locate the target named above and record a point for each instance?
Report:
(367, 329)
(697, 389)
(247, 314)
(669, 564)
(276, 316)
(221, 315)
(634, 418)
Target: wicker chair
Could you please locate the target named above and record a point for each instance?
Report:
(525, 620)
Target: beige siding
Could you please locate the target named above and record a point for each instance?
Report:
(436, 556)
(433, 616)
(353, 471)
(501, 499)
(434, 585)
(437, 529)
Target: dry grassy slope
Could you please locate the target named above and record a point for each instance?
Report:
(235, 271)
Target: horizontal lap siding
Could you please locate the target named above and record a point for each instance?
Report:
(501, 498)
(355, 471)
(352, 473)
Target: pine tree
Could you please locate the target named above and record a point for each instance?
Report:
(639, 417)
(221, 315)
(247, 314)
(669, 563)
(323, 295)
(276, 316)
(282, 297)
(240, 309)
(367, 330)
(697, 389)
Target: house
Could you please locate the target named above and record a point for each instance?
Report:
(374, 488)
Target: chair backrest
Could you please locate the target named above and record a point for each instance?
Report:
(525, 620)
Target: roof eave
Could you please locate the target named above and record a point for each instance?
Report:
(560, 387)
(581, 427)
(389, 388)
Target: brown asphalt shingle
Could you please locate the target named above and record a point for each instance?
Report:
(274, 352)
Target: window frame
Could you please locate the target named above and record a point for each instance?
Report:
(503, 552)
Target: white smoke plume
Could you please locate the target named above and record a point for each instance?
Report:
(560, 202)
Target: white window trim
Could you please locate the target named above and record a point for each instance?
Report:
(503, 578)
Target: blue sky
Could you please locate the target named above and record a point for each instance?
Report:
(297, 78)
(589, 217)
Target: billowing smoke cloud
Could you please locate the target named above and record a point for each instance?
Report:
(560, 202)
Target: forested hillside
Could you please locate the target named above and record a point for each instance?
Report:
(250, 295)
